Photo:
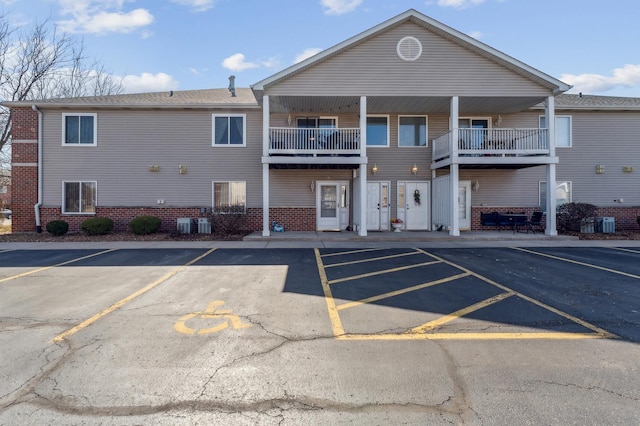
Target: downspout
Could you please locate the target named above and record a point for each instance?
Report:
(37, 206)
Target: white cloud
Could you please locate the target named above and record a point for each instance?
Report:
(627, 76)
(237, 63)
(476, 34)
(459, 4)
(147, 82)
(197, 5)
(102, 16)
(339, 7)
(307, 53)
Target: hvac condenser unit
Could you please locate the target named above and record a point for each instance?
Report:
(184, 225)
(204, 225)
(606, 225)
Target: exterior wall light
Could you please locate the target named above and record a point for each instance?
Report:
(374, 169)
(414, 170)
(599, 169)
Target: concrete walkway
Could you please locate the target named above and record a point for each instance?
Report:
(467, 239)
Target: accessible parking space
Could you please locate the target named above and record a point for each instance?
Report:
(292, 336)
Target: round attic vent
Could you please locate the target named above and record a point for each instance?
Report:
(409, 49)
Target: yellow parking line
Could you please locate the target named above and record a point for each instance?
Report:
(386, 271)
(336, 323)
(349, 252)
(602, 268)
(459, 313)
(474, 336)
(24, 274)
(127, 299)
(373, 259)
(399, 292)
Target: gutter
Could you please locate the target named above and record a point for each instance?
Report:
(37, 206)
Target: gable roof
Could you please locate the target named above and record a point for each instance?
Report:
(597, 103)
(196, 99)
(436, 27)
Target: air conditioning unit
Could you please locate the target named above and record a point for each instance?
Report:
(184, 225)
(606, 225)
(204, 225)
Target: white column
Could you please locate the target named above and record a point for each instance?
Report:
(550, 117)
(362, 230)
(265, 167)
(453, 125)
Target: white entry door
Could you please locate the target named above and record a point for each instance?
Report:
(464, 205)
(332, 205)
(414, 199)
(378, 206)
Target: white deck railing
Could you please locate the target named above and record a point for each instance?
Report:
(296, 141)
(494, 142)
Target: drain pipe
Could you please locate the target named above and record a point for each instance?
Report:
(37, 206)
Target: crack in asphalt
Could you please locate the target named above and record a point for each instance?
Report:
(591, 388)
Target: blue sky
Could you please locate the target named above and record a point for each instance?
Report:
(157, 45)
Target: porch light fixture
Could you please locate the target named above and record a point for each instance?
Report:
(182, 169)
(475, 186)
(312, 186)
(414, 170)
(289, 120)
(374, 169)
(599, 169)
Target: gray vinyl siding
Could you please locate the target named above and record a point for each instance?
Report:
(374, 68)
(130, 141)
(292, 188)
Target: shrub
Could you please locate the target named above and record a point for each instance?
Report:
(97, 226)
(228, 221)
(143, 225)
(571, 216)
(57, 227)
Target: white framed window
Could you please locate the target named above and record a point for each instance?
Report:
(79, 129)
(229, 130)
(412, 130)
(378, 130)
(228, 196)
(564, 134)
(79, 197)
(563, 193)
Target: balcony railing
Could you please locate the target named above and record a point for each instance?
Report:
(493, 142)
(297, 141)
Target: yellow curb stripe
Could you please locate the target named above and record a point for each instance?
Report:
(474, 336)
(373, 259)
(34, 271)
(602, 268)
(600, 331)
(386, 271)
(336, 323)
(399, 292)
(459, 313)
(127, 299)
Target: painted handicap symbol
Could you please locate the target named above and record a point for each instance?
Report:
(210, 313)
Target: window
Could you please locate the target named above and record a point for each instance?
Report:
(378, 130)
(412, 131)
(229, 130)
(79, 197)
(229, 196)
(79, 129)
(563, 130)
(563, 194)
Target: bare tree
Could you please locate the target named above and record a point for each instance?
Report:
(37, 62)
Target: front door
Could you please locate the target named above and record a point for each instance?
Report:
(414, 199)
(332, 205)
(464, 205)
(378, 206)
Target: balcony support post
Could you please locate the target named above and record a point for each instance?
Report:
(454, 230)
(550, 117)
(266, 230)
(362, 230)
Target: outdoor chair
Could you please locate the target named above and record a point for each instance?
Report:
(535, 222)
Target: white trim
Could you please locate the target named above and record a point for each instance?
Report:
(558, 183)
(64, 198)
(228, 116)
(388, 117)
(80, 114)
(229, 182)
(24, 141)
(400, 47)
(570, 117)
(426, 135)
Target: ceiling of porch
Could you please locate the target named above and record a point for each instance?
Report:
(468, 105)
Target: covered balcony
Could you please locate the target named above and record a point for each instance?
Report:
(314, 142)
(496, 148)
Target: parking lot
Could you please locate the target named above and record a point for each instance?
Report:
(545, 335)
